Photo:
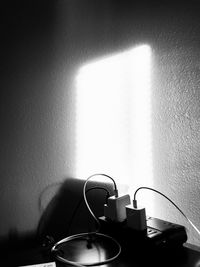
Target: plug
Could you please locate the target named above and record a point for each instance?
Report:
(136, 217)
(115, 209)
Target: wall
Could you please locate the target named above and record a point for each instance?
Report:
(36, 118)
(43, 44)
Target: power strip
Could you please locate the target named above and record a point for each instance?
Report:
(159, 233)
(165, 233)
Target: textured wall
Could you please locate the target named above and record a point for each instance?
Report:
(35, 117)
(43, 46)
(176, 110)
(176, 131)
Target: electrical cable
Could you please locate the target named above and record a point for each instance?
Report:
(87, 235)
(156, 191)
(85, 198)
(84, 236)
(82, 199)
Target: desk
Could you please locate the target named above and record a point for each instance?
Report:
(186, 256)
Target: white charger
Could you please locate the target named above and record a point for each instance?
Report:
(136, 217)
(115, 209)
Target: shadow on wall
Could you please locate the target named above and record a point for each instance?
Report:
(67, 213)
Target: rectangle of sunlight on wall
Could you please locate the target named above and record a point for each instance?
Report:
(113, 118)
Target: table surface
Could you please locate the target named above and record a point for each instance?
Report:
(180, 257)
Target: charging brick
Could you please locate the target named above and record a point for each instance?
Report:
(115, 209)
(136, 218)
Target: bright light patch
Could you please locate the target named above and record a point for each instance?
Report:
(114, 118)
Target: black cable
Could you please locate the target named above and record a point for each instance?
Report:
(85, 198)
(87, 235)
(105, 175)
(82, 199)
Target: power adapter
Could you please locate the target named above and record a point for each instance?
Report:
(136, 218)
(127, 223)
(115, 209)
(159, 234)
